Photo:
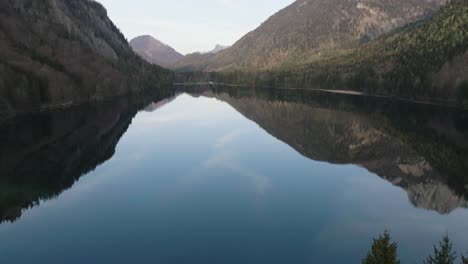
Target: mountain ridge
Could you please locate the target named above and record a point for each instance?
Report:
(218, 48)
(57, 53)
(311, 29)
(423, 61)
(155, 51)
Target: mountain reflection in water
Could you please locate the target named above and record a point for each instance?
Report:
(422, 149)
(42, 155)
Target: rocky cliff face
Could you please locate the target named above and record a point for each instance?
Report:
(62, 52)
(154, 51)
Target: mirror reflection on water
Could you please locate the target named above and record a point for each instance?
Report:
(232, 175)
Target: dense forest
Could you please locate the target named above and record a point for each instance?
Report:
(58, 52)
(425, 60)
(310, 30)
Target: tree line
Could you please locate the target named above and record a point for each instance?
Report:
(384, 251)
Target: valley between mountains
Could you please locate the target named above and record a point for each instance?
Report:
(58, 53)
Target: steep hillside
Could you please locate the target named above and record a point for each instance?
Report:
(311, 29)
(154, 51)
(194, 62)
(63, 52)
(426, 60)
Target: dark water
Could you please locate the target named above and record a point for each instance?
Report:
(232, 176)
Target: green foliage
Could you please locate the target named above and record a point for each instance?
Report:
(425, 46)
(383, 251)
(308, 31)
(406, 57)
(444, 254)
(401, 63)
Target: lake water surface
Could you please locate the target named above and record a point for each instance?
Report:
(232, 175)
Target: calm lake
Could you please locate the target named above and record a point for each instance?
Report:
(232, 175)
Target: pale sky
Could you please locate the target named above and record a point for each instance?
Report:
(191, 25)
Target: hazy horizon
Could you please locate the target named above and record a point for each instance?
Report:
(191, 26)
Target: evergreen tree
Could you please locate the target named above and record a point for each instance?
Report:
(383, 251)
(444, 254)
(464, 260)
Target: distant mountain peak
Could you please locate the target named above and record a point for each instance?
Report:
(218, 48)
(155, 51)
(310, 29)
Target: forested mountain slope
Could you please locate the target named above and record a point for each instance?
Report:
(309, 30)
(426, 60)
(62, 52)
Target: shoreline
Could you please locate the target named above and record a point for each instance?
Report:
(441, 103)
